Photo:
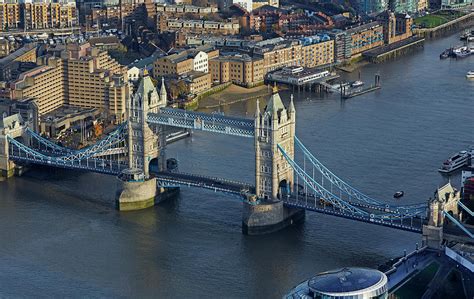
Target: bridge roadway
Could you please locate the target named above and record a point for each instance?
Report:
(176, 179)
(311, 203)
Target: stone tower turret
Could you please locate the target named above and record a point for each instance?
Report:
(163, 93)
(274, 126)
(143, 140)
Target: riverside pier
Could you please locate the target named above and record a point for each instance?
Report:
(303, 78)
(348, 92)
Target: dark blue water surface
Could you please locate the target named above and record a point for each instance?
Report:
(61, 236)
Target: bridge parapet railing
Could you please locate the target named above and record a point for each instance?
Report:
(213, 117)
(237, 183)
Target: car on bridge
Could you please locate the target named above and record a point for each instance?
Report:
(325, 202)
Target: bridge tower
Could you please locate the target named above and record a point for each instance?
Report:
(145, 143)
(274, 126)
(274, 178)
(13, 126)
(446, 199)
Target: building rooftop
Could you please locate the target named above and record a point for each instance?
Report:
(65, 112)
(147, 60)
(7, 59)
(185, 54)
(193, 75)
(346, 280)
(236, 57)
(104, 40)
(363, 27)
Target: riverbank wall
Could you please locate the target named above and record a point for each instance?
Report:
(194, 103)
(394, 50)
(446, 28)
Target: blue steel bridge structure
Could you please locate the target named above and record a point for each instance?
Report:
(315, 187)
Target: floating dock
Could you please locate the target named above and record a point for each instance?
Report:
(360, 92)
(348, 92)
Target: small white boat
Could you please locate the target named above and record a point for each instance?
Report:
(357, 83)
(470, 75)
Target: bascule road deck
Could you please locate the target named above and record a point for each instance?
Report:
(211, 183)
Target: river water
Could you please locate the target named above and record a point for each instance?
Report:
(61, 236)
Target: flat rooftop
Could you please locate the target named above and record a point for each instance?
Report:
(64, 112)
(298, 72)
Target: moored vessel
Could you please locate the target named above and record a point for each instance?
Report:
(357, 83)
(462, 52)
(456, 161)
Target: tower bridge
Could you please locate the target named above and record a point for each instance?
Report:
(289, 179)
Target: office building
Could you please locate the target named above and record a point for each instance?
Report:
(240, 69)
(83, 76)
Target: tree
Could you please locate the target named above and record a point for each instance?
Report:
(177, 88)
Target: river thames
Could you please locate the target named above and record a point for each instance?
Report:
(61, 236)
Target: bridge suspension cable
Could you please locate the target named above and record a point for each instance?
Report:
(459, 224)
(64, 151)
(87, 158)
(46, 142)
(349, 209)
(352, 192)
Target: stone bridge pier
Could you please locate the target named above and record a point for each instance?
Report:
(274, 177)
(137, 190)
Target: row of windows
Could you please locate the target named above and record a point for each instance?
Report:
(266, 184)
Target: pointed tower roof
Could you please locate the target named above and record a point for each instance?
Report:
(163, 87)
(145, 86)
(292, 105)
(274, 104)
(257, 110)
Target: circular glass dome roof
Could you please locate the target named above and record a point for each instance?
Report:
(345, 280)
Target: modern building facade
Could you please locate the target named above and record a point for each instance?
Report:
(45, 84)
(83, 76)
(197, 82)
(317, 53)
(10, 65)
(198, 26)
(37, 15)
(185, 61)
(365, 37)
(240, 69)
(278, 53)
(42, 15)
(9, 16)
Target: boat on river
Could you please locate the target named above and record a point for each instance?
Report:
(466, 34)
(398, 194)
(357, 83)
(456, 161)
(462, 52)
